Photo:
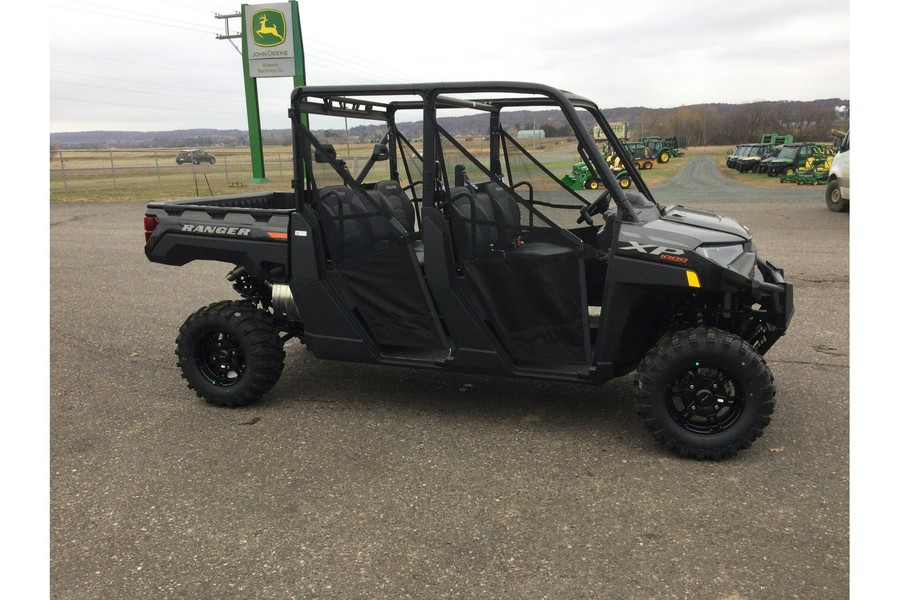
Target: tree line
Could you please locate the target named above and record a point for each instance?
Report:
(696, 125)
(710, 125)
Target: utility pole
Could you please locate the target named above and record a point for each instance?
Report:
(269, 26)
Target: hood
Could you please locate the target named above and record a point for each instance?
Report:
(706, 220)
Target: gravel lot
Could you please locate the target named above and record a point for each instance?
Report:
(354, 481)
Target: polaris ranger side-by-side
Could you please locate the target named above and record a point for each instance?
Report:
(438, 254)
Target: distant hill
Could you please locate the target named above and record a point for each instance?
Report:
(659, 121)
(149, 139)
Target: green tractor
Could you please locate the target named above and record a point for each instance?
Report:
(664, 148)
(581, 178)
(814, 171)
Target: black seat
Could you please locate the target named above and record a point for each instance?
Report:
(472, 223)
(509, 225)
(351, 226)
(396, 203)
(507, 213)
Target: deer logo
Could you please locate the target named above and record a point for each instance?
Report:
(269, 28)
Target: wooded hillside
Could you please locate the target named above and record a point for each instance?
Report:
(696, 125)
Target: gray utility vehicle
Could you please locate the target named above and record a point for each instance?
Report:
(753, 158)
(738, 152)
(433, 253)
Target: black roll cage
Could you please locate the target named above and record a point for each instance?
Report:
(356, 102)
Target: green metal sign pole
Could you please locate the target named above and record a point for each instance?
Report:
(252, 100)
(250, 90)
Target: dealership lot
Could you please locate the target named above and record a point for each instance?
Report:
(352, 481)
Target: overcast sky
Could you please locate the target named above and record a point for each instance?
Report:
(146, 66)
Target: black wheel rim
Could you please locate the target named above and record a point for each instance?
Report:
(705, 399)
(220, 359)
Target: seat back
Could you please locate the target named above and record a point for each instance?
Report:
(396, 203)
(472, 223)
(352, 225)
(507, 213)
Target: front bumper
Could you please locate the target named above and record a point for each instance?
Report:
(776, 299)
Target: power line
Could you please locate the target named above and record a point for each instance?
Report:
(138, 17)
(155, 93)
(192, 109)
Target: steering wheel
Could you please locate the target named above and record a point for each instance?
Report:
(600, 205)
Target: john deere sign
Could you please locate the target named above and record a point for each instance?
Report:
(271, 46)
(270, 43)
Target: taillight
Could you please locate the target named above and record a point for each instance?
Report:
(150, 223)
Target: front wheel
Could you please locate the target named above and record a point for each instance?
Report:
(664, 156)
(704, 393)
(229, 353)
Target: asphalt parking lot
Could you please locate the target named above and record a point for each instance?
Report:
(352, 481)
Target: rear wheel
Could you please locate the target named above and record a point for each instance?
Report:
(789, 170)
(704, 393)
(229, 353)
(592, 184)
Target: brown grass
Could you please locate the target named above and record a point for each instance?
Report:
(146, 175)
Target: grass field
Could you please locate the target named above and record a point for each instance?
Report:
(151, 174)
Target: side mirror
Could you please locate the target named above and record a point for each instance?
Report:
(380, 152)
(325, 154)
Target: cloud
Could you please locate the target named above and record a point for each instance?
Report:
(135, 65)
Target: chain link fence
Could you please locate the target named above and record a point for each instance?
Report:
(125, 173)
(153, 174)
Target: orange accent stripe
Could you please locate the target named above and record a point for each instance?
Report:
(277, 235)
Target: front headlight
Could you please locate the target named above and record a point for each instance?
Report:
(730, 256)
(721, 255)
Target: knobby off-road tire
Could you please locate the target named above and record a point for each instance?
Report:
(229, 353)
(704, 393)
